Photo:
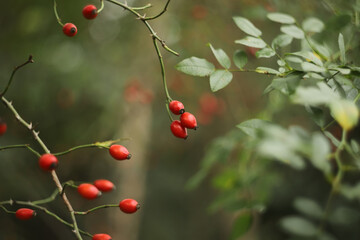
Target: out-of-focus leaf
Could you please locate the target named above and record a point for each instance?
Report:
(298, 226)
(315, 96)
(317, 115)
(286, 85)
(220, 79)
(350, 192)
(241, 226)
(246, 26)
(309, 207)
(196, 67)
(265, 53)
(333, 139)
(251, 42)
(344, 216)
(250, 127)
(320, 150)
(281, 18)
(240, 58)
(345, 113)
(221, 57)
(310, 67)
(342, 48)
(313, 24)
(293, 31)
(282, 40)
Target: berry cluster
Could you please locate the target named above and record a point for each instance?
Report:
(89, 12)
(187, 120)
(49, 162)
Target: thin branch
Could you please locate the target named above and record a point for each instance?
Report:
(97, 208)
(21, 146)
(143, 19)
(30, 60)
(161, 13)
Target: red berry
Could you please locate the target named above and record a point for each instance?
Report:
(48, 162)
(176, 107)
(119, 152)
(178, 130)
(69, 29)
(88, 191)
(104, 185)
(101, 236)
(129, 205)
(3, 128)
(89, 12)
(25, 213)
(188, 120)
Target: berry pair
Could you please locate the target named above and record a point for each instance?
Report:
(187, 120)
(92, 191)
(89, 12)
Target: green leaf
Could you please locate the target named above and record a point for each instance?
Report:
(282, 40)
(286, 85)
(351, 192)
(266, 70)
(315, 96)
(309, 207)
(250, 127)
(342, 48)
(265, 53)
(332, 138)
(308, 56)
(345, 113)
(221, 56)
(317, 115)
(252, 42)
(240, 58)
(298, 226)
(281, 18)
(220, 79)
(320, 150)
(313, 25)
(246, 26)
(310, 67)
(196, 67)
(241, 225)
(293, 31)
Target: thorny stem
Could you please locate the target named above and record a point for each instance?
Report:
(96, 208)
(142, 8)
(161, 13)
(30, 127)
(30, 60)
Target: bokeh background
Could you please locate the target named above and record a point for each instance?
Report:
(105, 83)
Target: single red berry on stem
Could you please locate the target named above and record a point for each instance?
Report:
(188, 120)
(3, 127)
(104, 185)
(178, 130)
(119, 152)
(129, 205)
(69, 29)
(48, 162)
(176, 107)
(25, 213)
(88, 191)
(90, 12)
(101, 236)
